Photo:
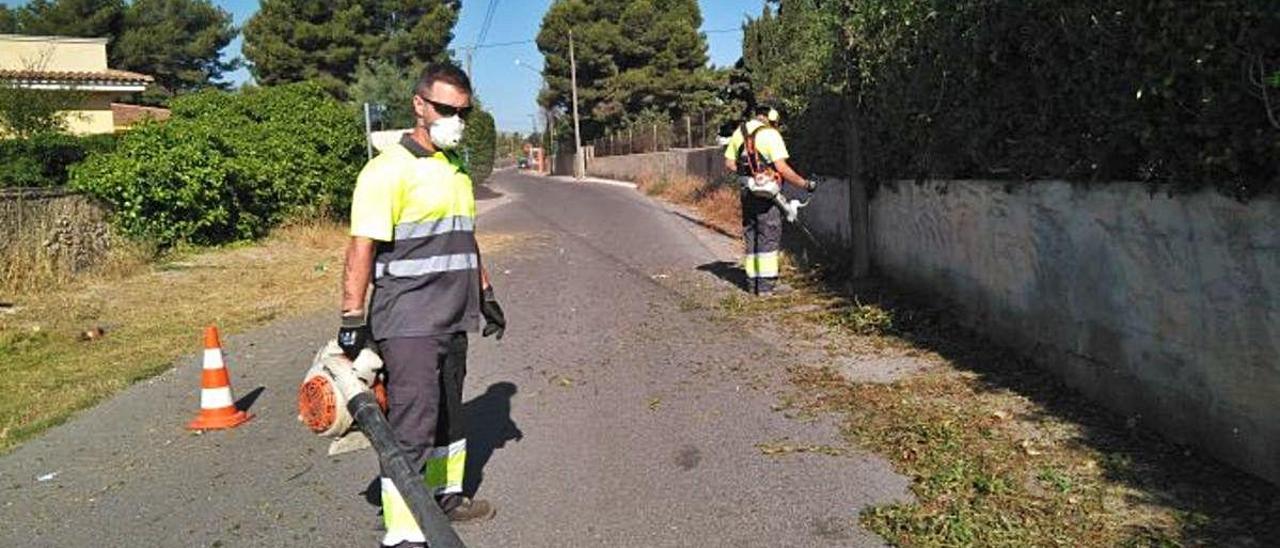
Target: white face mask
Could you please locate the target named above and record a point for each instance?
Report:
(446, 133)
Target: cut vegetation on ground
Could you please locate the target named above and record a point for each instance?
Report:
(999, 452)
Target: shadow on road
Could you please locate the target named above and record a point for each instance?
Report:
(483, 192)
(727, 271)
(247, 401)
(489, 427)
(706, 225)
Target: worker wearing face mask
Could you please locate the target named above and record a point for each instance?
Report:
(413, 236)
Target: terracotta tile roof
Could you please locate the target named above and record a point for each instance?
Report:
(125, 115)
(108, 75)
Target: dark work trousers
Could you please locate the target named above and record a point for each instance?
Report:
(762, 236)
(424, 407)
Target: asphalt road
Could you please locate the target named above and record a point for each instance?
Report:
(614, 413)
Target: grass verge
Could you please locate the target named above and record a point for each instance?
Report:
(717, 203)
(66, 349)
(999, 453)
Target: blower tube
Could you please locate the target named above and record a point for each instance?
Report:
(395, 464)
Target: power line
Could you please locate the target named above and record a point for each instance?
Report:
(488, 21)
(503, 44)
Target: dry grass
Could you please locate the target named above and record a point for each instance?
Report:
(26, 266)
(999, 453)
(718, 204)
(154, 316)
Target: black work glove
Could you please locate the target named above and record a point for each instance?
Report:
(494, 320)
(353, 335)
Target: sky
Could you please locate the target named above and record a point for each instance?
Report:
(507, 90)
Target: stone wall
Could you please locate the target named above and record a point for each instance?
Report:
(706, 163)
(61, 230)
(1165, 309)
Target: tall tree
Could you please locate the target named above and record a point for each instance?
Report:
(293, 40)
(176, 41)
(8, 20)
(380, 82)
(86, 18)
(635, 58)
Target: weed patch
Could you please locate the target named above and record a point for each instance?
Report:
(999, 453)
(716, 202)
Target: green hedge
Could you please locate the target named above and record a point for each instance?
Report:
(44, 159)
(1163, 91)
(229, 166)
(479, 141)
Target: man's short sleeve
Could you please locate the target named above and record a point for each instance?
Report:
(735, 142)
(373, 206)
(770, 144)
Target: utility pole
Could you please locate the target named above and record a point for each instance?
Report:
(368, 132)
(469, 52)
(578, 161)
(704, 128)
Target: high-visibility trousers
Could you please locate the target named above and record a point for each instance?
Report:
(424, 408)
(762, 239)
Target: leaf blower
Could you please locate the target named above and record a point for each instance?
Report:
(338, 395)
(760, 177)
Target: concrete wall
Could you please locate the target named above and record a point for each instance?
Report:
(382, 139)
(52, 229)
(52, 53)
(94, 115)
(706, 163)
(1166, 309)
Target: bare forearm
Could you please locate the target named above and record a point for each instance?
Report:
(789, 175)
(484, 272)
(730, 165)
(356, 273)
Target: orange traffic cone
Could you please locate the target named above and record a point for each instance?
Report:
(217, 406)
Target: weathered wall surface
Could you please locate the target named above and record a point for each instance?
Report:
(1166, 309)
(706, 163)
(51, 228)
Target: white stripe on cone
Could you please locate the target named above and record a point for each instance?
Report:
(213, 358)
(215, 398)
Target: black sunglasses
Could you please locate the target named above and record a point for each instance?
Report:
(446, 109)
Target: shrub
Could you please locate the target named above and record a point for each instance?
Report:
(1159, 91)
(479, 141)
(229, 166)
(43, 160)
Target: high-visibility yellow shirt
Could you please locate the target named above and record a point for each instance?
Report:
(768, 142)
(420, 208)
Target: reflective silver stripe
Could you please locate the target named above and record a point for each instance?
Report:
(418, 267)
(423, 229)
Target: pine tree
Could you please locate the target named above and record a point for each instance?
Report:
(636, 58)
(84, 18)
(294, 40)
(8, 20)
(176, 41)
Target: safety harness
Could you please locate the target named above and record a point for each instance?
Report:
(761, 177)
